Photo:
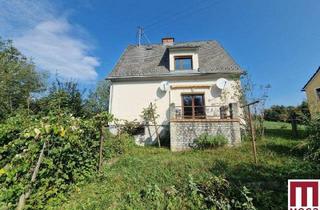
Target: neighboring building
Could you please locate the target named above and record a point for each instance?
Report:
(312, 89)
(189, 102)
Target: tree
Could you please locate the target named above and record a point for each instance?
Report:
(150, 114)
(101, 121)
(18, 79)
(254, 92)
(303, 111)
(98, 100)
(63, 97)
(284, 113)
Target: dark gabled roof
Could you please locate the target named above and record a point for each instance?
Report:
(304, 87)
(153, 60)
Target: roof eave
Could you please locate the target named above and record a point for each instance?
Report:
(170, 75)
(311, 78)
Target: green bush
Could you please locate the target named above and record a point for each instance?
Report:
(313, 130)
(71, 156)
(117, 145)
(214, 193)
(206, 141)
(131, 127)
(218, 193)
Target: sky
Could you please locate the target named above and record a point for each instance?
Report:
(276, 41)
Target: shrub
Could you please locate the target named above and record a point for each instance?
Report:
(206, 141)
(117, 145)
(313, 130)
(132, 127)
(70, 156)
(213, 193)
(218, 193)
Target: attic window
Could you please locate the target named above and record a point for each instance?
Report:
(318, 93)
(183, 62)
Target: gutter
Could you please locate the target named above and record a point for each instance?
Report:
(170, 75)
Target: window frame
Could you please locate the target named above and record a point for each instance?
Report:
(193, 107)
(183, 57)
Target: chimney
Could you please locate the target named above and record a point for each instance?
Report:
(168, 41)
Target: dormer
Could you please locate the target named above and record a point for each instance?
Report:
(183, 58)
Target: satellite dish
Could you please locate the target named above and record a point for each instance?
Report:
(222, 83)
(164, 86)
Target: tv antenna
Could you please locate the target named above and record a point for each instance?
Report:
(141, 34)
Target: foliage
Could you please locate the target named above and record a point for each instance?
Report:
(206, 141)
(150, 114)
(253, 92)
(62, 97)
(102, 119)
(98, 100)
(215, 193)
(19, 79)
(131, 127)
(313, 129)
(283, 113)
(70, 157)
(218, 193)
(119, 145)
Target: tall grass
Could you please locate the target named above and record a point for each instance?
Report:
(279, 159)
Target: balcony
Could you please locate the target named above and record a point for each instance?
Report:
(227, 112)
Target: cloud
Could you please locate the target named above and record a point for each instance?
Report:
(54, 50)
(51, 41)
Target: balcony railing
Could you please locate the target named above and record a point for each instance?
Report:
(216, 112)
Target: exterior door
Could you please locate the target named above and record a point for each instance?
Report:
(193, 106)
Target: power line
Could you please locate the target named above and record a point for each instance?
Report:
(146, 38)
(169, 15)
(183, 13)
(189, 11)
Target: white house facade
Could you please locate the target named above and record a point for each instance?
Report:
(191, 103)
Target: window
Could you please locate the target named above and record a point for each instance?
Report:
(193, 106)
(183, 62)
(318, 93)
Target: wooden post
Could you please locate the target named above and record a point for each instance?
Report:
(23, 197)
(101, 148)
(253, 138)
(294, 125)
(155, 124)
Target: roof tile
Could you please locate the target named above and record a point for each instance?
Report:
(148, 60)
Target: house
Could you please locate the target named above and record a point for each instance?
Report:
(181, 80)
(312, 89)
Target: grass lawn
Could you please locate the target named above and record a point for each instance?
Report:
(120, 187)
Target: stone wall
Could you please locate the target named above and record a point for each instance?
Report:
(183, 133)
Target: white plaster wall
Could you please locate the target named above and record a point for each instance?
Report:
(127, 99)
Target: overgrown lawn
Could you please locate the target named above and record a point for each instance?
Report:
(125, 179)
